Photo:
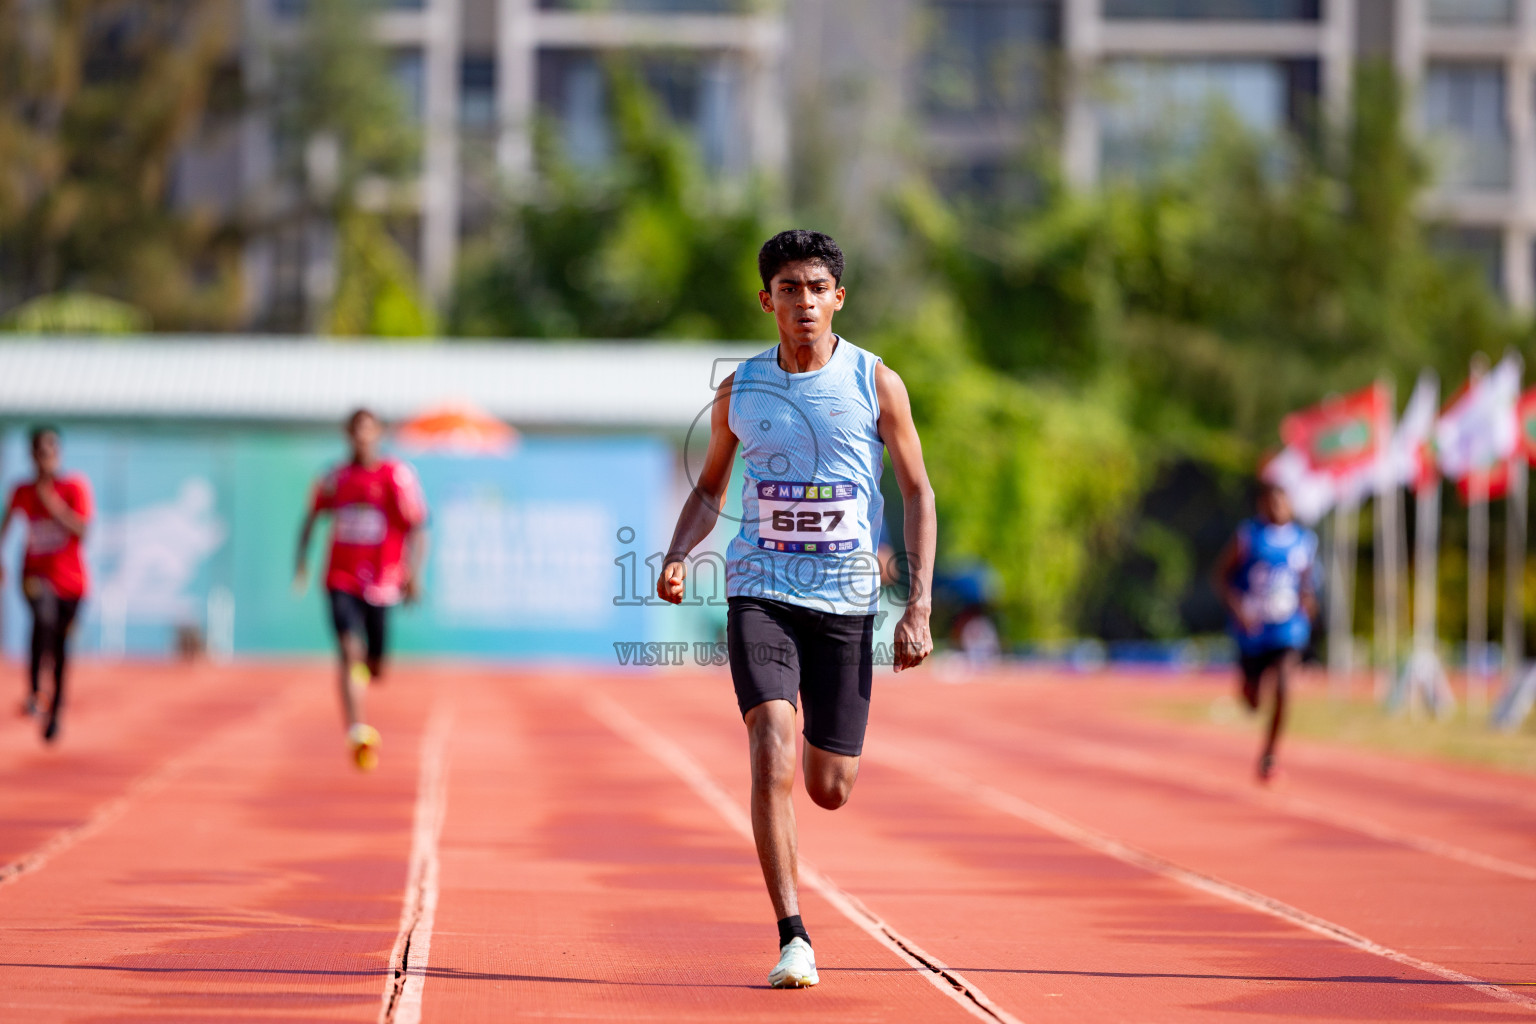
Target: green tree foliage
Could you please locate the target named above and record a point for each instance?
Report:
(1175, 318)
(1031, 477)
(376, 292)
(75, 313)
(1095, 373)
(348, 151)
(646, 247)
(97, 99)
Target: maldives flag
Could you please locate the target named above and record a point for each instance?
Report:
(1341, 435)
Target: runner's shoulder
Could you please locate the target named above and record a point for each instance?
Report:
(720, 405)
(890, 389)
(21, 493)
(397, 469)
(76, 484)
(330, 482)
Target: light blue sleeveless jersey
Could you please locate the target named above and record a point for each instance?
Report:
(811, 506)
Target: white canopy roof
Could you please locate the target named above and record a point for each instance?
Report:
(658, 385)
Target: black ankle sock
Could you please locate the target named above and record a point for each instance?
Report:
(789, 927)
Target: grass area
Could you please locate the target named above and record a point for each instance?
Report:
(1459, 737)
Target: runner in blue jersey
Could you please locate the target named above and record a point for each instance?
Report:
(812, 418)
(1266, 577)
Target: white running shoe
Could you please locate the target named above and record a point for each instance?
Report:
(364, 740)
(797, 966)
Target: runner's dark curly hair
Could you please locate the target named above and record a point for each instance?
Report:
(794, 246)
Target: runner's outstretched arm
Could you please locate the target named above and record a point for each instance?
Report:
(1309, 592)
(300, 571)
(1221, 581)
(701, 510)
(913, 640)
(416, 543)
(5, 525)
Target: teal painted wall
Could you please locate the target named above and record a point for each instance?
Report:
(522, 559)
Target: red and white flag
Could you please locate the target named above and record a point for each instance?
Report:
(1494, 482)
(1478, 429)
(1344, 434)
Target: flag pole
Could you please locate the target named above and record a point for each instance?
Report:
(1520, 687)
(1379, 603)
(1385, 559)
(1477, 590)
(1427, 677)
(1341, 592)
(1515, 508)
(1423, 677)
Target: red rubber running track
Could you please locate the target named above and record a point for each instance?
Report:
(541, 845)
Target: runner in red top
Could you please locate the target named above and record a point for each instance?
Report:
(377, 543)
(57, 509)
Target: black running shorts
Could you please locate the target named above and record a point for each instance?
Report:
(782, 651)
(1253, 667)
(350, 614)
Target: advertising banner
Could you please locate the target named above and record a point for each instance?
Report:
(536, 553)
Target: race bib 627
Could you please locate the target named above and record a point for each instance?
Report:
(815, 518)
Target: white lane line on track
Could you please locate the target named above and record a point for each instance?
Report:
(1102, 755)
(682, 764)
(408, 959)
(145, 785)
(975, 790)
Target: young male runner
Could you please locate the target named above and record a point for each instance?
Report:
(1265, 579)
(811, 417)
(58, 509)
(377, 545)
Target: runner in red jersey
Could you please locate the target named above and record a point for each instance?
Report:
(57, 508)
(377, 543)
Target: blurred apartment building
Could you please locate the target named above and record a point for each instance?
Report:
(479, 76)
(858, 89)
(1131, 75)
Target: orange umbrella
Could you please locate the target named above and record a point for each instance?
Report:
(457, 429)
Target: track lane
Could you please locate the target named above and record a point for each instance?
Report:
(959, 851)
(582, 879)
(262, 881)
(1364, 882)
(102, 757)
(1487, 811)
(265, 879)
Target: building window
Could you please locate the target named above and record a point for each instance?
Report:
(1481, 249)
(294, 8)
(1160, 111)
(701, 92)
(1472, 12)
(1465, 115)
(408, 69)
(988, 57)
(655, 6)
(997, 180)
(1230, 10)
(477, 93)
